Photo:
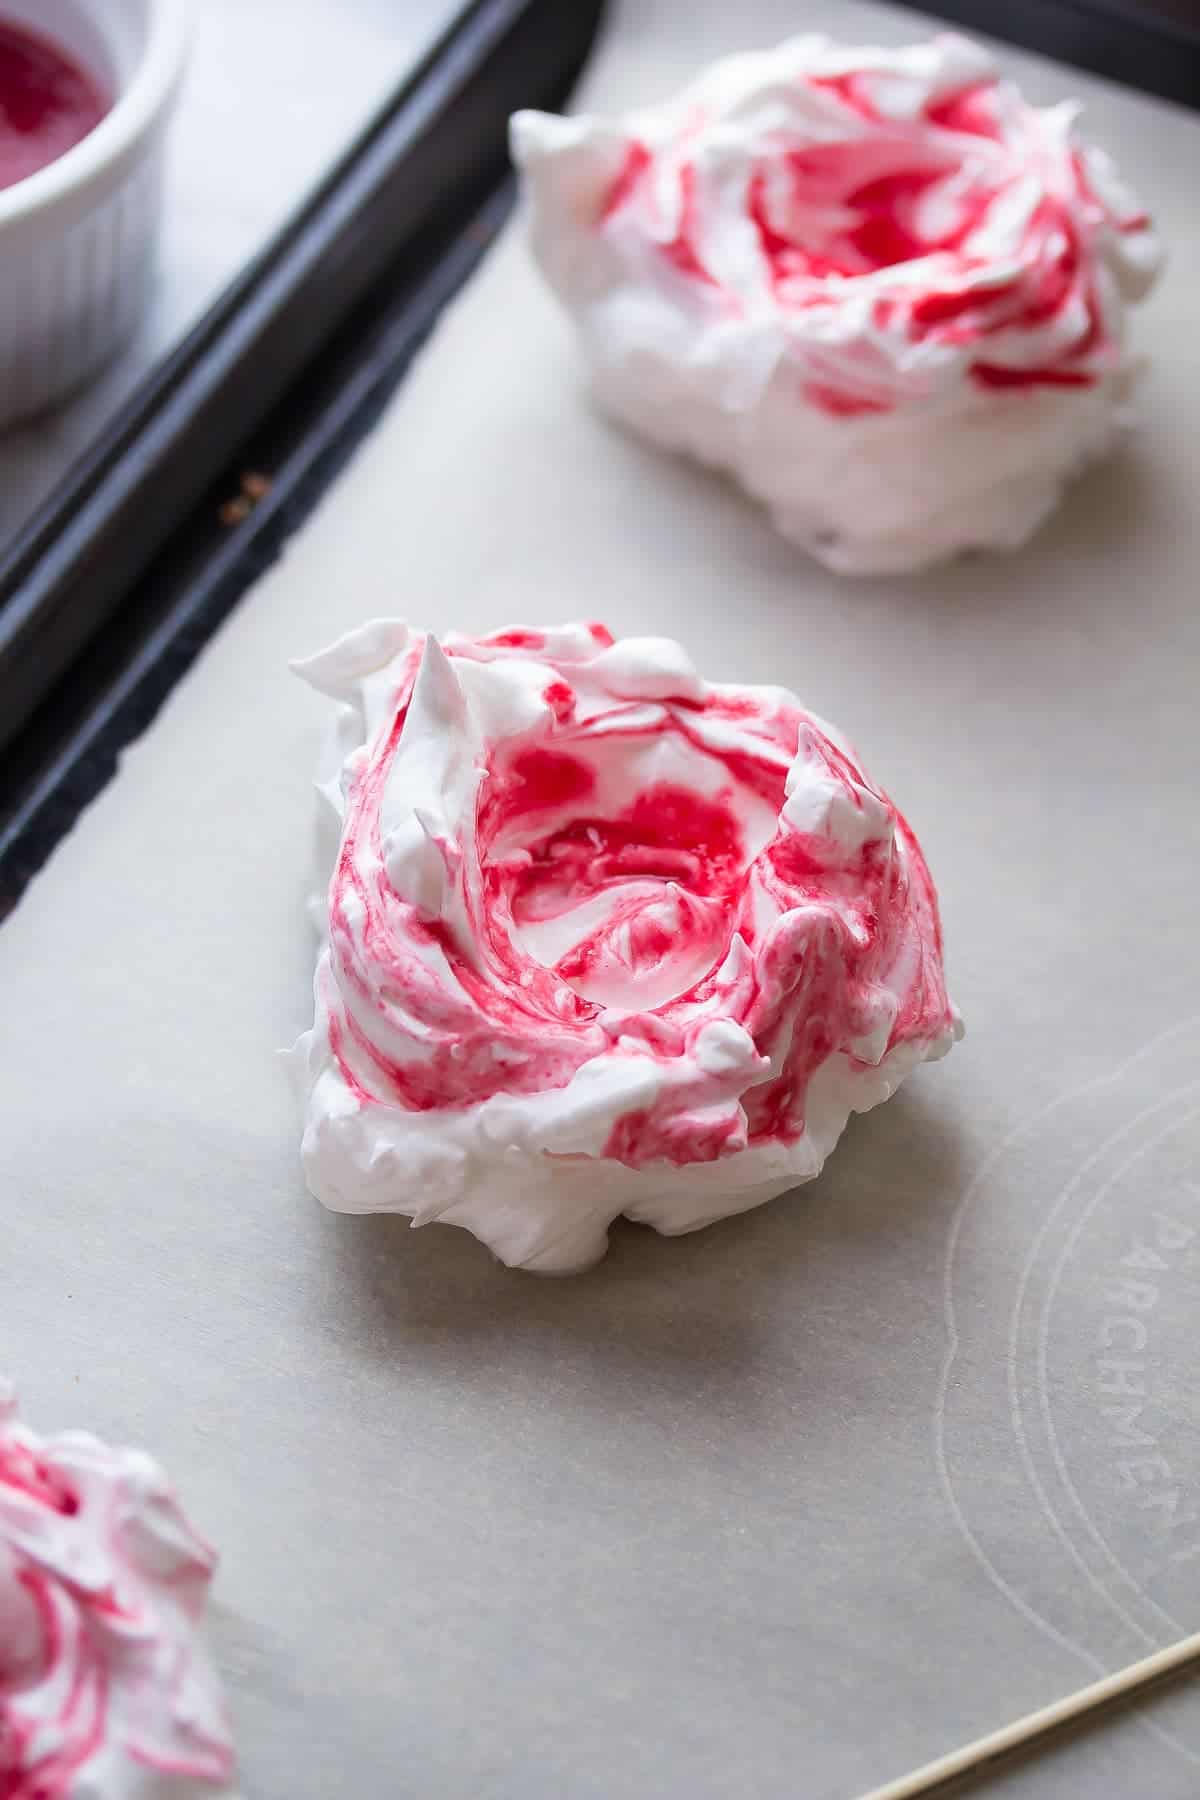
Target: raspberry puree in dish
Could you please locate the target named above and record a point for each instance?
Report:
(48, 102)
(601, 937)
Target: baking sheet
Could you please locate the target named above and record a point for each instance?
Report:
(786, 1507)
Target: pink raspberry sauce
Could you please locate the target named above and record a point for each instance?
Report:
(48, 102)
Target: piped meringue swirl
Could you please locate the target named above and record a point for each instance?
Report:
(105, 1690)
(601, 937)
(878, 286)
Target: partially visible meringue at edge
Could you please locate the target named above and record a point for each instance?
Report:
(601, 937)
(878, 287)
(106, 1691)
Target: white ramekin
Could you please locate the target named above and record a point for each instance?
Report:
(77, 239)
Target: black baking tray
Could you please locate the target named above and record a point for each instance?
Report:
(118, 581)
(1150, 44)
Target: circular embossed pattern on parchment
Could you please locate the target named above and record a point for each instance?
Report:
(1068, 1422)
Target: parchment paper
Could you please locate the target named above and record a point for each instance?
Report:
(777, 1510)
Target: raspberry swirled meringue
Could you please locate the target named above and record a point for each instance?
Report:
(877, 286)
(601, 937)
(105, 1692)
